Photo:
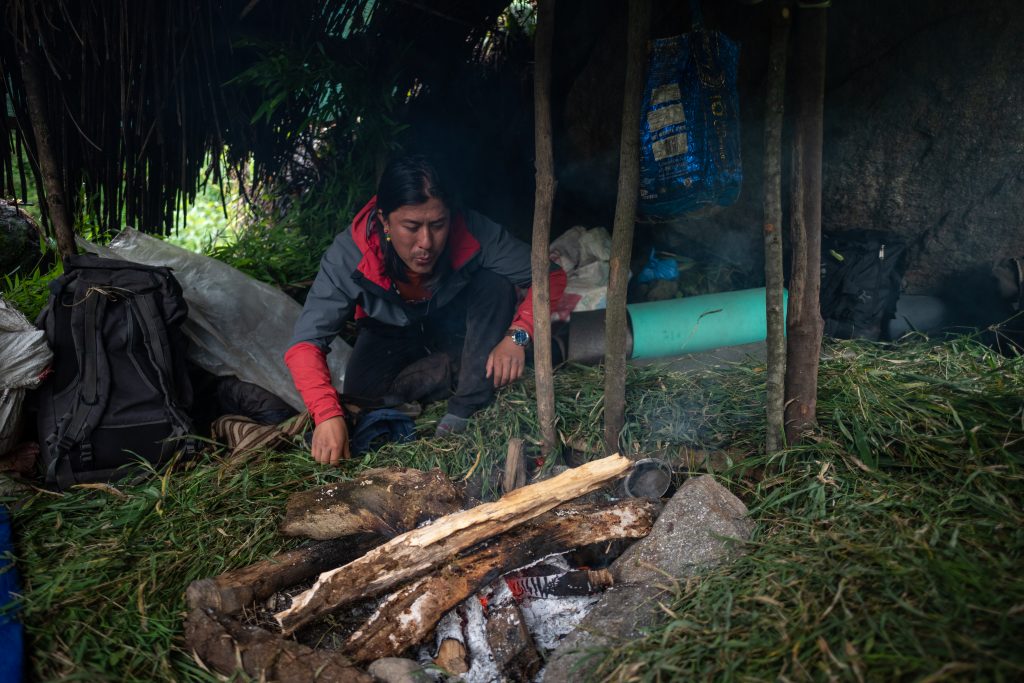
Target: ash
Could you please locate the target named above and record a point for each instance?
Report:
(548, 620)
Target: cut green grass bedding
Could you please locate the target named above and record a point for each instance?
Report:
(889, 546)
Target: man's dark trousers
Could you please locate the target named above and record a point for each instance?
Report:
(418, 362)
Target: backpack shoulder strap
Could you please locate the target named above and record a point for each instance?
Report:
(145, 312)
(93, 391)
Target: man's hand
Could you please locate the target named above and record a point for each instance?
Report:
(330, 441)
(506, 362)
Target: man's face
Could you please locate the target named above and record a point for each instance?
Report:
(419, 233)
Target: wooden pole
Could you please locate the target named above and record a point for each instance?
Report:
(53, 189)
(773, 118)
(545, 197)
(625, 219)
(805, 323)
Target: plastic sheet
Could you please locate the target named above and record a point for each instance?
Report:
(583, 255)
(24, 356)
(690, 132)
(237, 325)
(658, 269)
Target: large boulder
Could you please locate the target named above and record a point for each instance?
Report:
(701, 526)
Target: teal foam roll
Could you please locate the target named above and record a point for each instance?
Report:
(699, 323)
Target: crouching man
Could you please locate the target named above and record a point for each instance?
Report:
(432, 288)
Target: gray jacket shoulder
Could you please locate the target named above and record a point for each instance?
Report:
(333, 296)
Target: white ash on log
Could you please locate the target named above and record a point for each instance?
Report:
(418, 552)
(407, 616)
(385, 501)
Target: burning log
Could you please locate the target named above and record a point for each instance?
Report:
(230, 592)
(407, 616)
(226, 645)
(515, 654)
(417, 552)
(385, 501)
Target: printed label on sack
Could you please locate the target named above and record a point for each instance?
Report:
(666, 116)
(666, 93)
(669, 147)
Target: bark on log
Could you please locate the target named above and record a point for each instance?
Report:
(386, 501)
(774, 107)
(223, 644)
(544, 200)
(625, 220)
(417, 552)
(232, 591)
(407, 616)
(804, 317)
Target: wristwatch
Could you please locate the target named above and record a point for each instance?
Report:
(520, 337)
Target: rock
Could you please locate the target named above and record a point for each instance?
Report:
(398, 670)
(692, 534)
(19, 240)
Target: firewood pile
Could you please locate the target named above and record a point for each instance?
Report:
(400, 565)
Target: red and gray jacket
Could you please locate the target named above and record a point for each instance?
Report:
(352, 280)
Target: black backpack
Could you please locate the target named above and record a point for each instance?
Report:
(861, 278)
(119, 389)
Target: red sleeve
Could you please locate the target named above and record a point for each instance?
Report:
(312, 378)
(524, 316)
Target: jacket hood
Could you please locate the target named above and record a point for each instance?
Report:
(462, 245)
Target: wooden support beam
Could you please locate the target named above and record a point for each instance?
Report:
(418, 552)
(545, 197)
(774, 279)
(625, 220)
(803, 346)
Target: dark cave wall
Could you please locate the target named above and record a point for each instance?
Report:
(924, 133)
(923, 130)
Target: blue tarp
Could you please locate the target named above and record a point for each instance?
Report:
(690, 127)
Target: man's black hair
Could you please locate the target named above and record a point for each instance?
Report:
(410, 180)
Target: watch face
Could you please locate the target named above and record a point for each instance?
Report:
(520, 338)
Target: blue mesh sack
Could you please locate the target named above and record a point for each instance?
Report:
(690, 124)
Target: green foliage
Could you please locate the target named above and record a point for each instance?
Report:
(30, 293)
(276, 254)
(341, 115)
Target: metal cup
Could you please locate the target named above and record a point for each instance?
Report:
(649, 478)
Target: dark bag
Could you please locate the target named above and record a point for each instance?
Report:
(861, 276)
(119, 389)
